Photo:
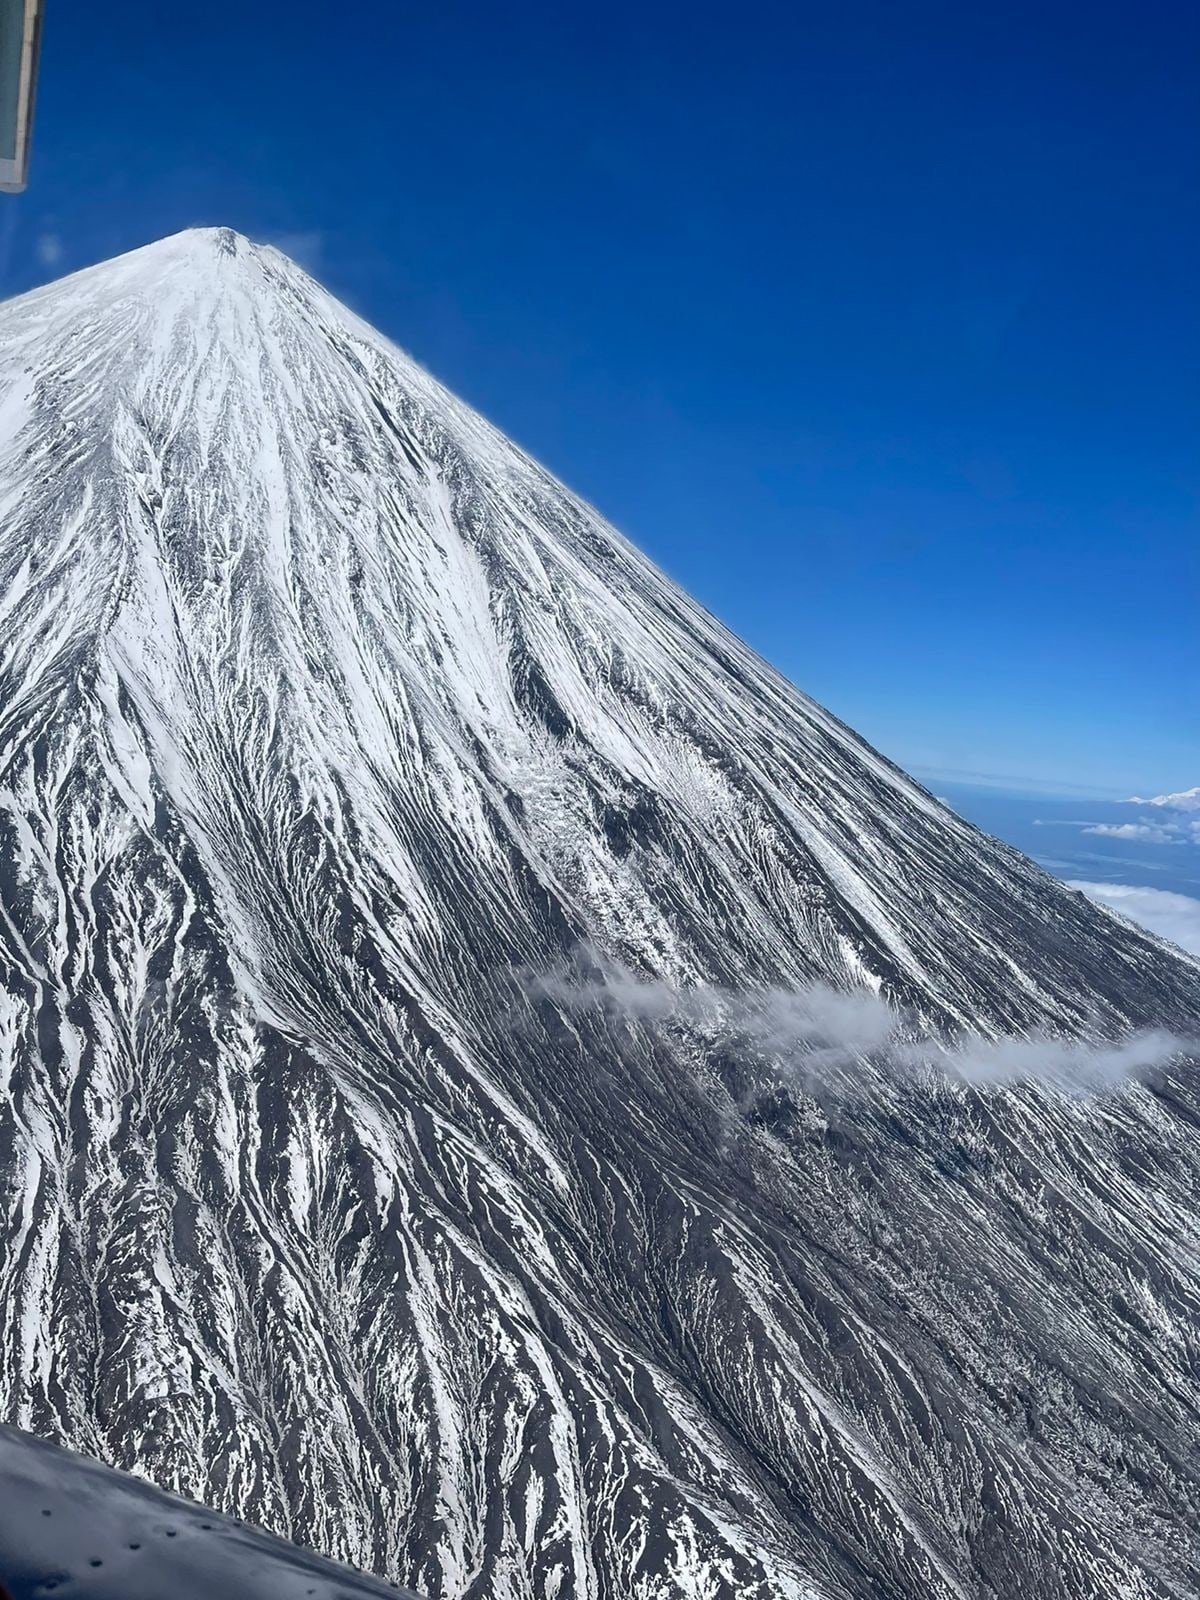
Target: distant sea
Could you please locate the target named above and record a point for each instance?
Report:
(1051, 829)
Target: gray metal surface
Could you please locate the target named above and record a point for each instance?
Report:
(20, 37)
(71, 1527)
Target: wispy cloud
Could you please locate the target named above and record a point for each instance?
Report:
(306, 248)
(1148, 832)
(1165, 829)
(1013, 782)
(820, 1034)
(1172, 916)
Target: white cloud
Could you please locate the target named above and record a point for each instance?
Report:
(49, 249)
(1171, 916)
(818, 1034)
(1166, 829)
(1185, 800)
(1148, 832)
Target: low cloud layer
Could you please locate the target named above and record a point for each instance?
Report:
(819, 1033)
(1167, 828)
(1171, 916)
(1148, 832)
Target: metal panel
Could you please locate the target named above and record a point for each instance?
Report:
(20, 35)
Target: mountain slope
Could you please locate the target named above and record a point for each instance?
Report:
(366, 806)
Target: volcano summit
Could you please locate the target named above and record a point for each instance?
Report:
(395, 873)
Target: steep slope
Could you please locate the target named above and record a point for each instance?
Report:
(342, 754)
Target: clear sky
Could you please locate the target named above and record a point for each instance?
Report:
(876, 325)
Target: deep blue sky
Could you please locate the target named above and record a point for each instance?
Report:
(876, 325)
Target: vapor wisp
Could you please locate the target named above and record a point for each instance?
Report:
(818, 1033)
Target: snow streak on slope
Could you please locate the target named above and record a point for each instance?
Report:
(326, 719)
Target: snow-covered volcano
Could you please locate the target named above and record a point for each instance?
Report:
(344, 755)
